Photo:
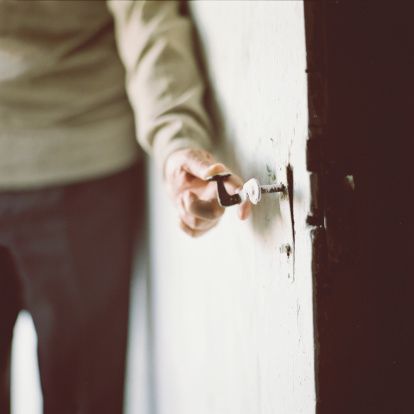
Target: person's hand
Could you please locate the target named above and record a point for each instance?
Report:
(185, 175)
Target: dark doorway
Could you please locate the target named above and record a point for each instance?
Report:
(360, 70)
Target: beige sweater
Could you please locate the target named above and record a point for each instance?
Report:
(81, 80)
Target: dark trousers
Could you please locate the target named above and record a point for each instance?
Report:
(65, 256)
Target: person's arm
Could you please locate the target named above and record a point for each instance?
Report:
(166, 91)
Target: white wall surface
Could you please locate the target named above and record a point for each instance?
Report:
(25, 383)
(233, 314)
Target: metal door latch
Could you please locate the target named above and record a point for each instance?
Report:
(252, 190)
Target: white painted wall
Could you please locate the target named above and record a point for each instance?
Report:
(233, 314)
(25, 390)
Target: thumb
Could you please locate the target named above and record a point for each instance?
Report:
(201, 164)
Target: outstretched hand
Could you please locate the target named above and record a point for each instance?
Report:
(185, 174)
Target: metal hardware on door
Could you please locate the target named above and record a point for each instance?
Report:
(252, 190)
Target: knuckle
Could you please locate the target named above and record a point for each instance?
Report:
(189, 201)
(179, 179)
(193, 222)
(190, 221)
(186, 229)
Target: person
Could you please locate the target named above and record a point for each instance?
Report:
(79, 82)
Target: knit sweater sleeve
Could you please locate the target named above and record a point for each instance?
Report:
(163, 81)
